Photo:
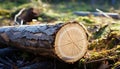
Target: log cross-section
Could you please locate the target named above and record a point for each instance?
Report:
(67, 41)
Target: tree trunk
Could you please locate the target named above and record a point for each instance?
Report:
(65, 41)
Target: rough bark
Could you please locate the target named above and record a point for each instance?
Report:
(7, 51)
(48, 39)
(30, 37)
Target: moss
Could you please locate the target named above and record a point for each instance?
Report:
(116, 33)
(88, 20)
(113, 57)
(116, 64)
(102, 33)
(46, 18)
(97, 44)
(4, 12)
(82, 60)
(115, 26)
(110, 54)
(118, 47)
(95, 55)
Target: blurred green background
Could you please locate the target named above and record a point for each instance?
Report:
(52, 9)
(67, 5)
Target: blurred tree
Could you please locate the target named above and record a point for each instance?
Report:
(113, 2)
(18, 1)
(93, 2)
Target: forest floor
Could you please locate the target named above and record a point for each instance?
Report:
(104, 36)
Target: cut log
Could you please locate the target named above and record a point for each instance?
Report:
(67, 41)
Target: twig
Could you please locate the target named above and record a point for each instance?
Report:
(103, 13)
(17, 15)
(97, 60)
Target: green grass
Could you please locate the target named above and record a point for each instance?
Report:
(70, 7)
(9, 5)
(82, 6)
(63, 6)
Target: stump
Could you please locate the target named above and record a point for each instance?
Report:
(66, 41)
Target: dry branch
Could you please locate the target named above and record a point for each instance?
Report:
(113, 15)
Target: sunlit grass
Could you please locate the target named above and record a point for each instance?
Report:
(9, 5)
(82, 6)
(70, 7)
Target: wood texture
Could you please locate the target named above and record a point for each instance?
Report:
(71, 42)
(65, 41)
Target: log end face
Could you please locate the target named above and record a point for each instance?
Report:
(71, 42)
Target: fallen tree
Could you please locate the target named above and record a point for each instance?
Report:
(65, 41)
(113, 15)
